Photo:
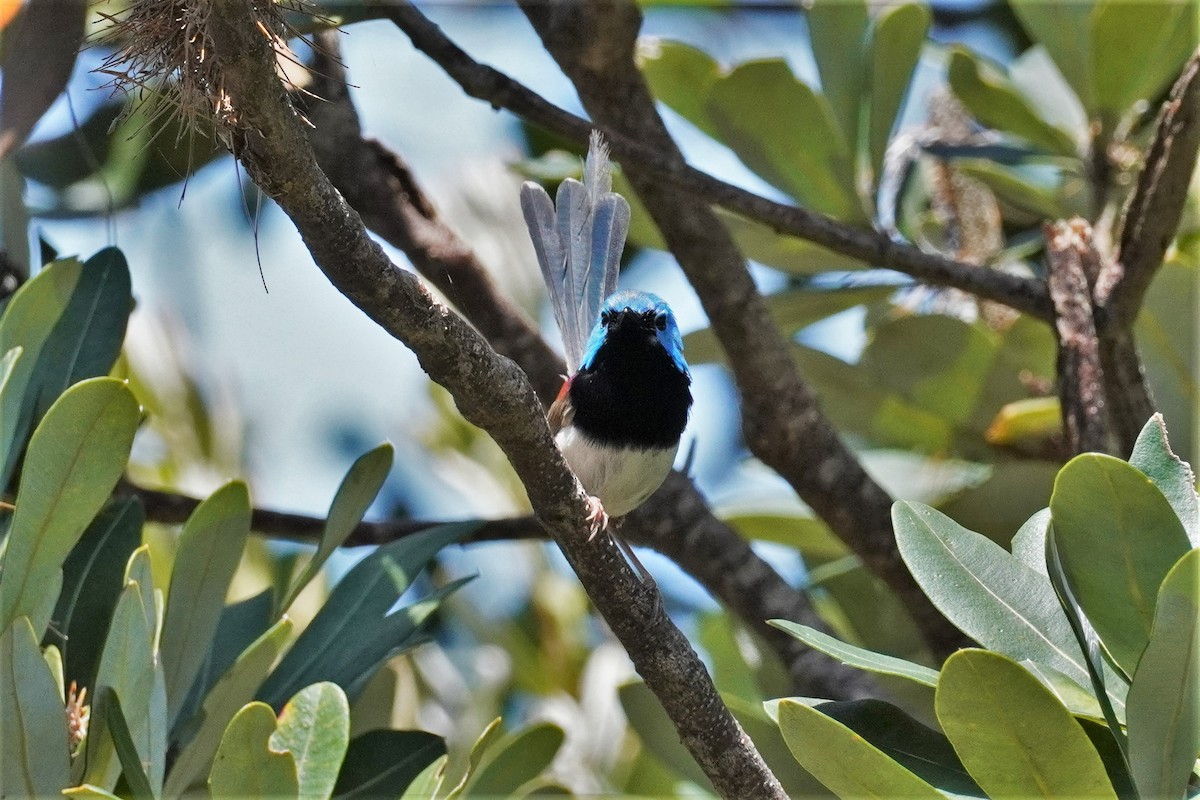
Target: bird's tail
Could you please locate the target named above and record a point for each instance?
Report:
(578, 240)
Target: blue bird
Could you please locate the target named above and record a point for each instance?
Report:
(622, 409)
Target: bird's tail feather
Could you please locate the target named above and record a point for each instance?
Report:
(578, 245)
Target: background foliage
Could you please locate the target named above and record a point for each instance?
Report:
(216, 660)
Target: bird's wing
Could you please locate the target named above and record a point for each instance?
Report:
(578, 245)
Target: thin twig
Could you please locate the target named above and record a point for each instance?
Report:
(489, 390)
(485, 83)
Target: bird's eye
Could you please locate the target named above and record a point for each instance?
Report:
(660, 322)
(605, 318)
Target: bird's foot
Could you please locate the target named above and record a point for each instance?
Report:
(596, 517)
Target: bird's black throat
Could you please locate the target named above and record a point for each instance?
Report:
(631, 394)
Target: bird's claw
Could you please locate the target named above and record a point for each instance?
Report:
(596, 517)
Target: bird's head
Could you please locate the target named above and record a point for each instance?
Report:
(634, 316)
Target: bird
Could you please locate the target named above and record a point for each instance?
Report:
(626, 396)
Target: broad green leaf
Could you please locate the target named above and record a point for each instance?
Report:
(923, 751)
(1168, 338)
(1163, 709)
(118, 729)
(236, 687)
(986, 592)
(1172, 475)
(428, 784)
(807, 534)
(246, 767)
(53, 658)
(995, 102)
(93, 577)
(680, 76)
(384, 763)
(784, 131)
(1138, 48)
(234, 690)
(70, 319)
(127, 666)
(350, 504)
(210, 549)
(759, 242)
(488, 737)
(34, 760)
(1016, 189)
(845, 762)
(792, 310)
(28, 320)
(657, 734)
(896, 43)
(515, 760)
(315, 728)
(1118, 536)
(332, 647)
(89, 792)
(1035, 75)
(1032, 420)
(1062, 28)
(1012, 734)
(857, 656)
(761, 725)
(1029, 543)
(732, 673)
(838, 32)
(75, 458)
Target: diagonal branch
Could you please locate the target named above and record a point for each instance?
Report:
(593, 42)
(490, 390)
(1155, 207)
(485, 83)
(379, 186)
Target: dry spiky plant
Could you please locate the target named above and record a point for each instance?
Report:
(164, 60)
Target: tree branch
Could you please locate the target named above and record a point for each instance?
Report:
(593, 42)
(500, 91)
(1155, 207)
(379, 186)
(490, 390)
(1073, 266)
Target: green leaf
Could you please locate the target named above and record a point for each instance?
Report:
(1029, 543)
(383, 763)
(896, 44)
(89, 792)
(332, 647)
(515, 760)
(210, 549)
(792, 310)
(34, 760)
(657, 734)
(1118, 536)
(763, 729)
(995, 102)
(428, 784)
(1163, 710)
(1167, 337)
(923, 751)
(856, 656)
(1138, 48)
(491, 733)
(680, 76)
(246, 766)
(1015, 189)
(1035, 75)
(761, 243)
(838, 33)
(75, 458)
(118, 729)
(93, 577)
(232, 691)
(1172, 475)
(845, 762)
(127, 666)
(1062, 29)
(986, 592)
(315, 728)
(784, 131)
(358, 490)
(1012, 734)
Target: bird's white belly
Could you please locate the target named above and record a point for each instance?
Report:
(622, 477)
